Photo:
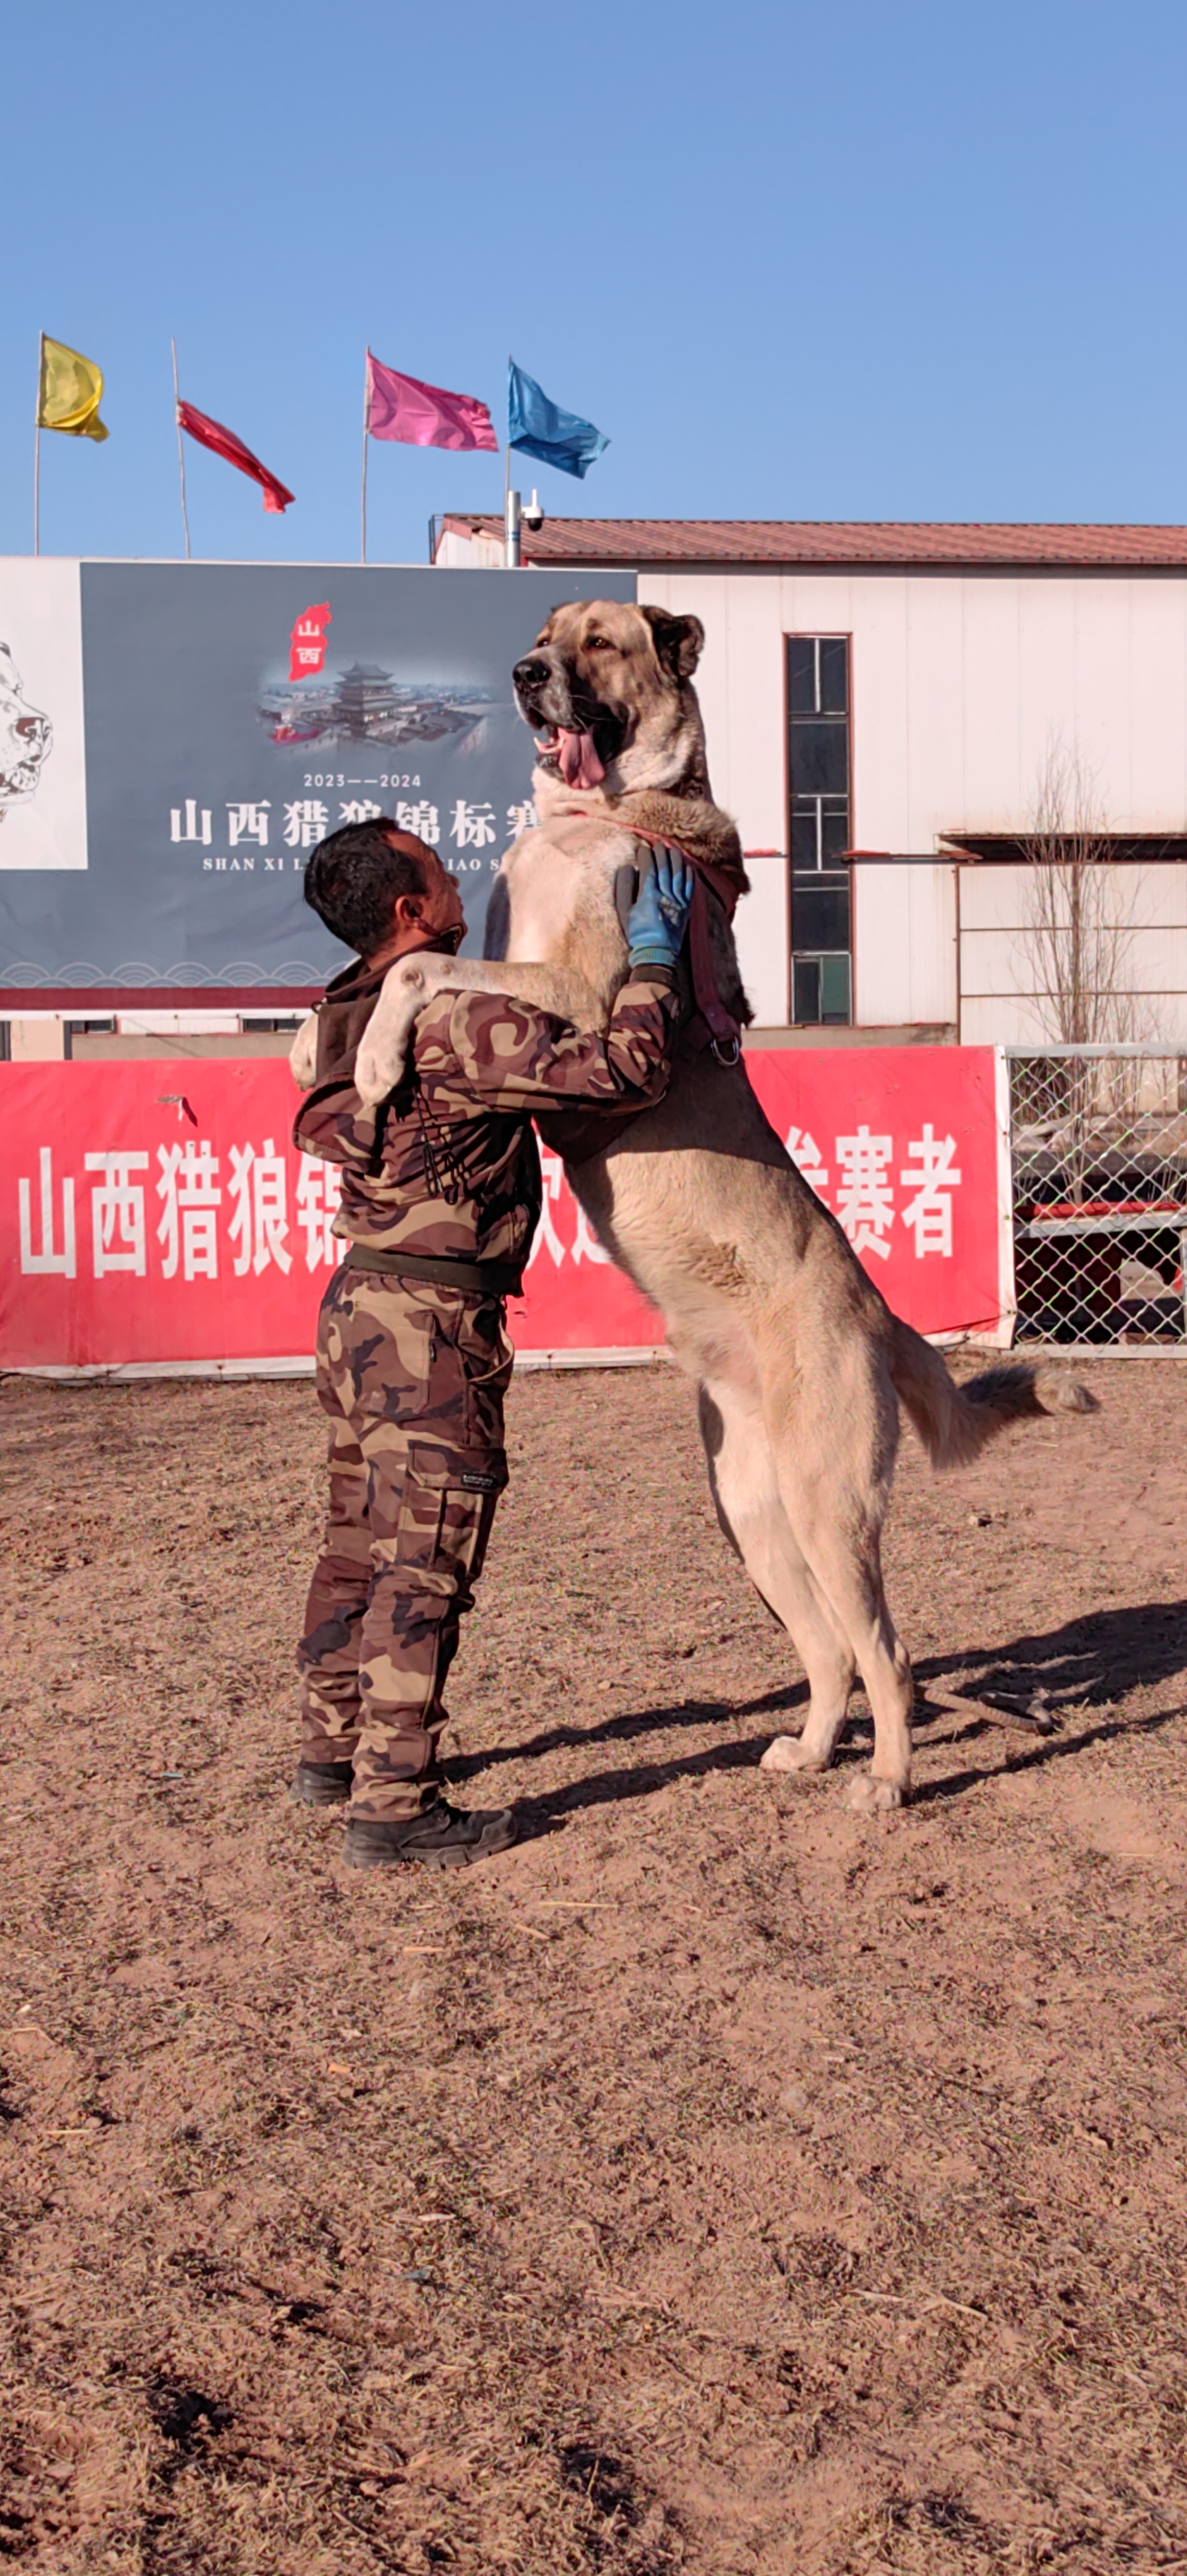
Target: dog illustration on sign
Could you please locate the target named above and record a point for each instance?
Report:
(26, 738)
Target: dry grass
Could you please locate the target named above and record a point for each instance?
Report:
(719, 2182)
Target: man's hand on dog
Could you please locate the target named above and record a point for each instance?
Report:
(658, 917)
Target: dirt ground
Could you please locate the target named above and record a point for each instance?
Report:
(718, 2182)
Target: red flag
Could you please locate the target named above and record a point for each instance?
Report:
(424, 415)
(223, 442)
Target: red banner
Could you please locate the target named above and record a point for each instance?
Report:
(156, 1212)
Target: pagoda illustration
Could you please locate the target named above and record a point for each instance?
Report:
(368, 704)
(366, 701)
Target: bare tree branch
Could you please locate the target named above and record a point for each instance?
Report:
(1080, 911)
(1080, 914)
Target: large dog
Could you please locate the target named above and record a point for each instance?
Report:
(801, 1364)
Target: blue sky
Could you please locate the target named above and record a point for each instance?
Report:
(874, 259)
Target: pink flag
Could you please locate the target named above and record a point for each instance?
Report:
(423, 415)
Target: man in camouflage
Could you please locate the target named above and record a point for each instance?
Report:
(440, 1199)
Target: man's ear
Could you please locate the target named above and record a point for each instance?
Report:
(678, 641)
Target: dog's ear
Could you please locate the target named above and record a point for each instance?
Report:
(678, 641)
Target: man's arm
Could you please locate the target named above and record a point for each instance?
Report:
(542, 1011)
(513, 1056)
(510, 1055)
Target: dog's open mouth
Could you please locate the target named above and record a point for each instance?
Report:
(575, 756)
(21, 779)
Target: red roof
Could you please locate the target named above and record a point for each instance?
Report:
(851, 542)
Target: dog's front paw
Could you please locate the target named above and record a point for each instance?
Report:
(379, 1063)
(866, 1796)
(786, 1753)
(303, 1053)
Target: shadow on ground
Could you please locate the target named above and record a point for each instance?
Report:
(1082, 1667)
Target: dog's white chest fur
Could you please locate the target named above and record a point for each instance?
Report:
(566, 898)
(543, 902)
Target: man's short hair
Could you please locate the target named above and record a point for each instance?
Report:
(354, 876)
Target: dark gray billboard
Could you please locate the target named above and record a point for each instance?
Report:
(155, 834)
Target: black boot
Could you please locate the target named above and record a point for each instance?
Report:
(443, 1837)
(321, 1784)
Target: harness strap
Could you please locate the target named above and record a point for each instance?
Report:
(723, 1033)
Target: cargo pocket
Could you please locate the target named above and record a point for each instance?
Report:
(488, 1357)
(392, 1348)
(446, 1507)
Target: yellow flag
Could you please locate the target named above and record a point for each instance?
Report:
(69, 392)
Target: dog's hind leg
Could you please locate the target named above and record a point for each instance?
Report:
(745, 1486)
(833, 1445)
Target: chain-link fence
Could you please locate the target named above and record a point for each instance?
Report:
(1099, 1150)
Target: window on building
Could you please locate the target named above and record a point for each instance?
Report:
(72, 1029)
(818, 772)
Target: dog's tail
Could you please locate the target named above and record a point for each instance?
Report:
(954, 1422)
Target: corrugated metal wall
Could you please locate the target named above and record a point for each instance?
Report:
(960, 682)
(1001, 971)
(904, 944)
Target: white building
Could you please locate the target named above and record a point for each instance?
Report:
(881, 703)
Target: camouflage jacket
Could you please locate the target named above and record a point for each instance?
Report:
(448, 1165)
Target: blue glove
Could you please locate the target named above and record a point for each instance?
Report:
(658, 918)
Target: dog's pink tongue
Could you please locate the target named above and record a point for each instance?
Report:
(580, 765)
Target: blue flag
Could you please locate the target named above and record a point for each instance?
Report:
(541, 429)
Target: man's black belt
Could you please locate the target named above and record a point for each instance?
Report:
(476, 1278)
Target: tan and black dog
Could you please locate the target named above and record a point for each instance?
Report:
(800, 1363)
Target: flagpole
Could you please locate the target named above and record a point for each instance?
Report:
(185, 521)
(510, 498)
(37, 448)
(366, 415)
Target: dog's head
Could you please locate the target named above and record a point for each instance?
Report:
(25, 736)
(607, 690)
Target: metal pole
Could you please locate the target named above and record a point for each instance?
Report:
(185, 518)
(366, 416)
(510, 498)
(37, 449)
(511, 513)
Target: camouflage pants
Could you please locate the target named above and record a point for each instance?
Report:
(413, 1379)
